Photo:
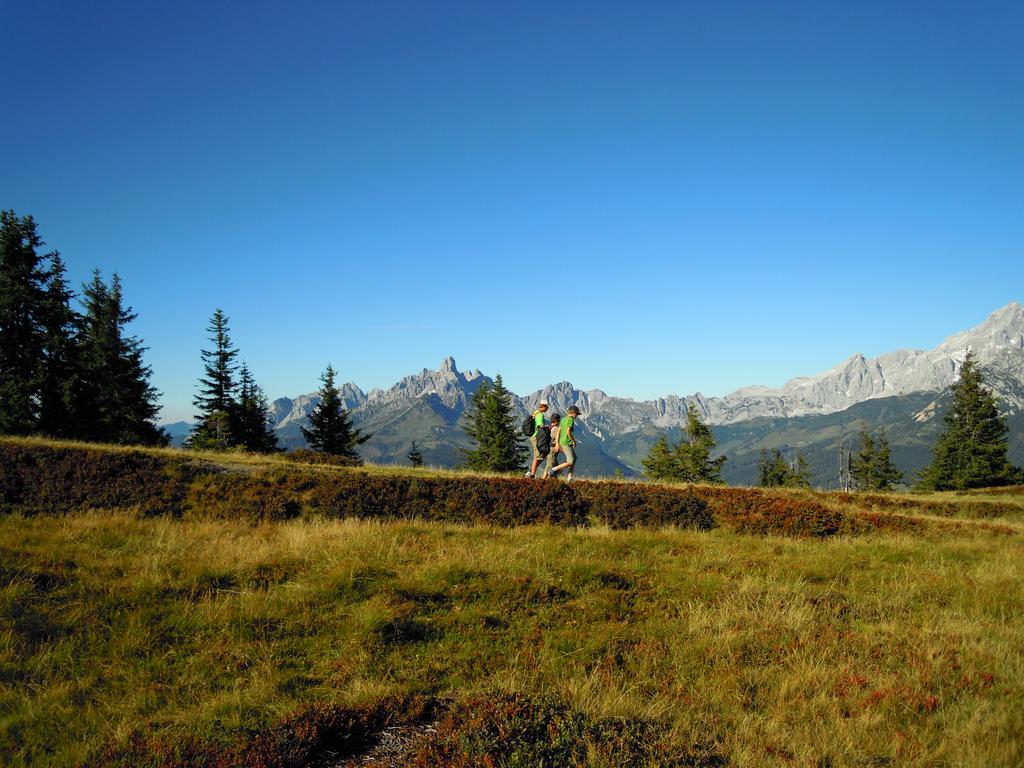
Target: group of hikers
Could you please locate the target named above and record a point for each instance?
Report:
(549, 438)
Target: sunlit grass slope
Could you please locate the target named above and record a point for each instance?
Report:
(893, 646)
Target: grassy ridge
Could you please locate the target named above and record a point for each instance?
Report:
(190, 636)
(47, 477)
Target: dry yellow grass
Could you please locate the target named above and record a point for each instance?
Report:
(889, 649)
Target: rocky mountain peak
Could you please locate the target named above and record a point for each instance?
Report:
(998, 343)
(1002, 331)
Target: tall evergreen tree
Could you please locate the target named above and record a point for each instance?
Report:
(414, 455)
(872, 468)
(690, 459)
(119, 403)
(22, 339)
(253, 428)
(216, 427)
(490, 424)
(330, 426)
(60, 396)
(972, 451)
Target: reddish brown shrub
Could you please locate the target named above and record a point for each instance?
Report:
(53, 479)
(760, 511)
(296, 741)
(626, 505)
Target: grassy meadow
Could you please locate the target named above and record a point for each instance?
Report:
(131, 637)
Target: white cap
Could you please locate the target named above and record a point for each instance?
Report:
(542, 402)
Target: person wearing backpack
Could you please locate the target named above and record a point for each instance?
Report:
(567, 442)
(553, 453)
(537, 442)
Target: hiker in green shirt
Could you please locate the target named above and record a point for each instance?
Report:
(553, 453)
(538, 425)
(567, 442)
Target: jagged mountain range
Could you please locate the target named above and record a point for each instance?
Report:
(900, 391)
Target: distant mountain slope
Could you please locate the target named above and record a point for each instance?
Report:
(898, 391)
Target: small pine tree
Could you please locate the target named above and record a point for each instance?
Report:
(252, 421)
(660, 461)
(775, 471)
(886, 474)
(872, 468)
(414, 456)
(490, 424)
(862, 465)
(331, 429)
(22, 343)
(972, 451)
(694, 451)
(800, 472)
(690, 459)
(119, 404)
(216, 432)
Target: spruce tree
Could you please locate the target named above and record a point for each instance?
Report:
(972, 451)
(690, 459)
(885, 472)
(660, 461)
(22, 337)
(775, 471)
(216, 427)
(872, 468)
(862, 465)
(693, 454)
(330, 426)
(119, 404)
(490, 424)
(252, 420)
(61, 391)
(414, 456)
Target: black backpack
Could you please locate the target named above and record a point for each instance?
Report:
(543, 440)
(528, 426)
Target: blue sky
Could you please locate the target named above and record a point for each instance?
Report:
(644, 197)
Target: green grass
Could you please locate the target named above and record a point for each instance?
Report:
(880, 649)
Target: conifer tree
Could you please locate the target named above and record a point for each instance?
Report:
(660, 461)
(694, 451)
(60, 380)
(216, 427)
(690, 459)
(775, 471)
(886, 474)
(22, 285)
(414, 456)
(972, 451)
(490, 424)
(330, 426)
(872, 468)
(119, 403)
(252, 421)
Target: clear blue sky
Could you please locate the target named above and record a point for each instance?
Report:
(701, 195)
